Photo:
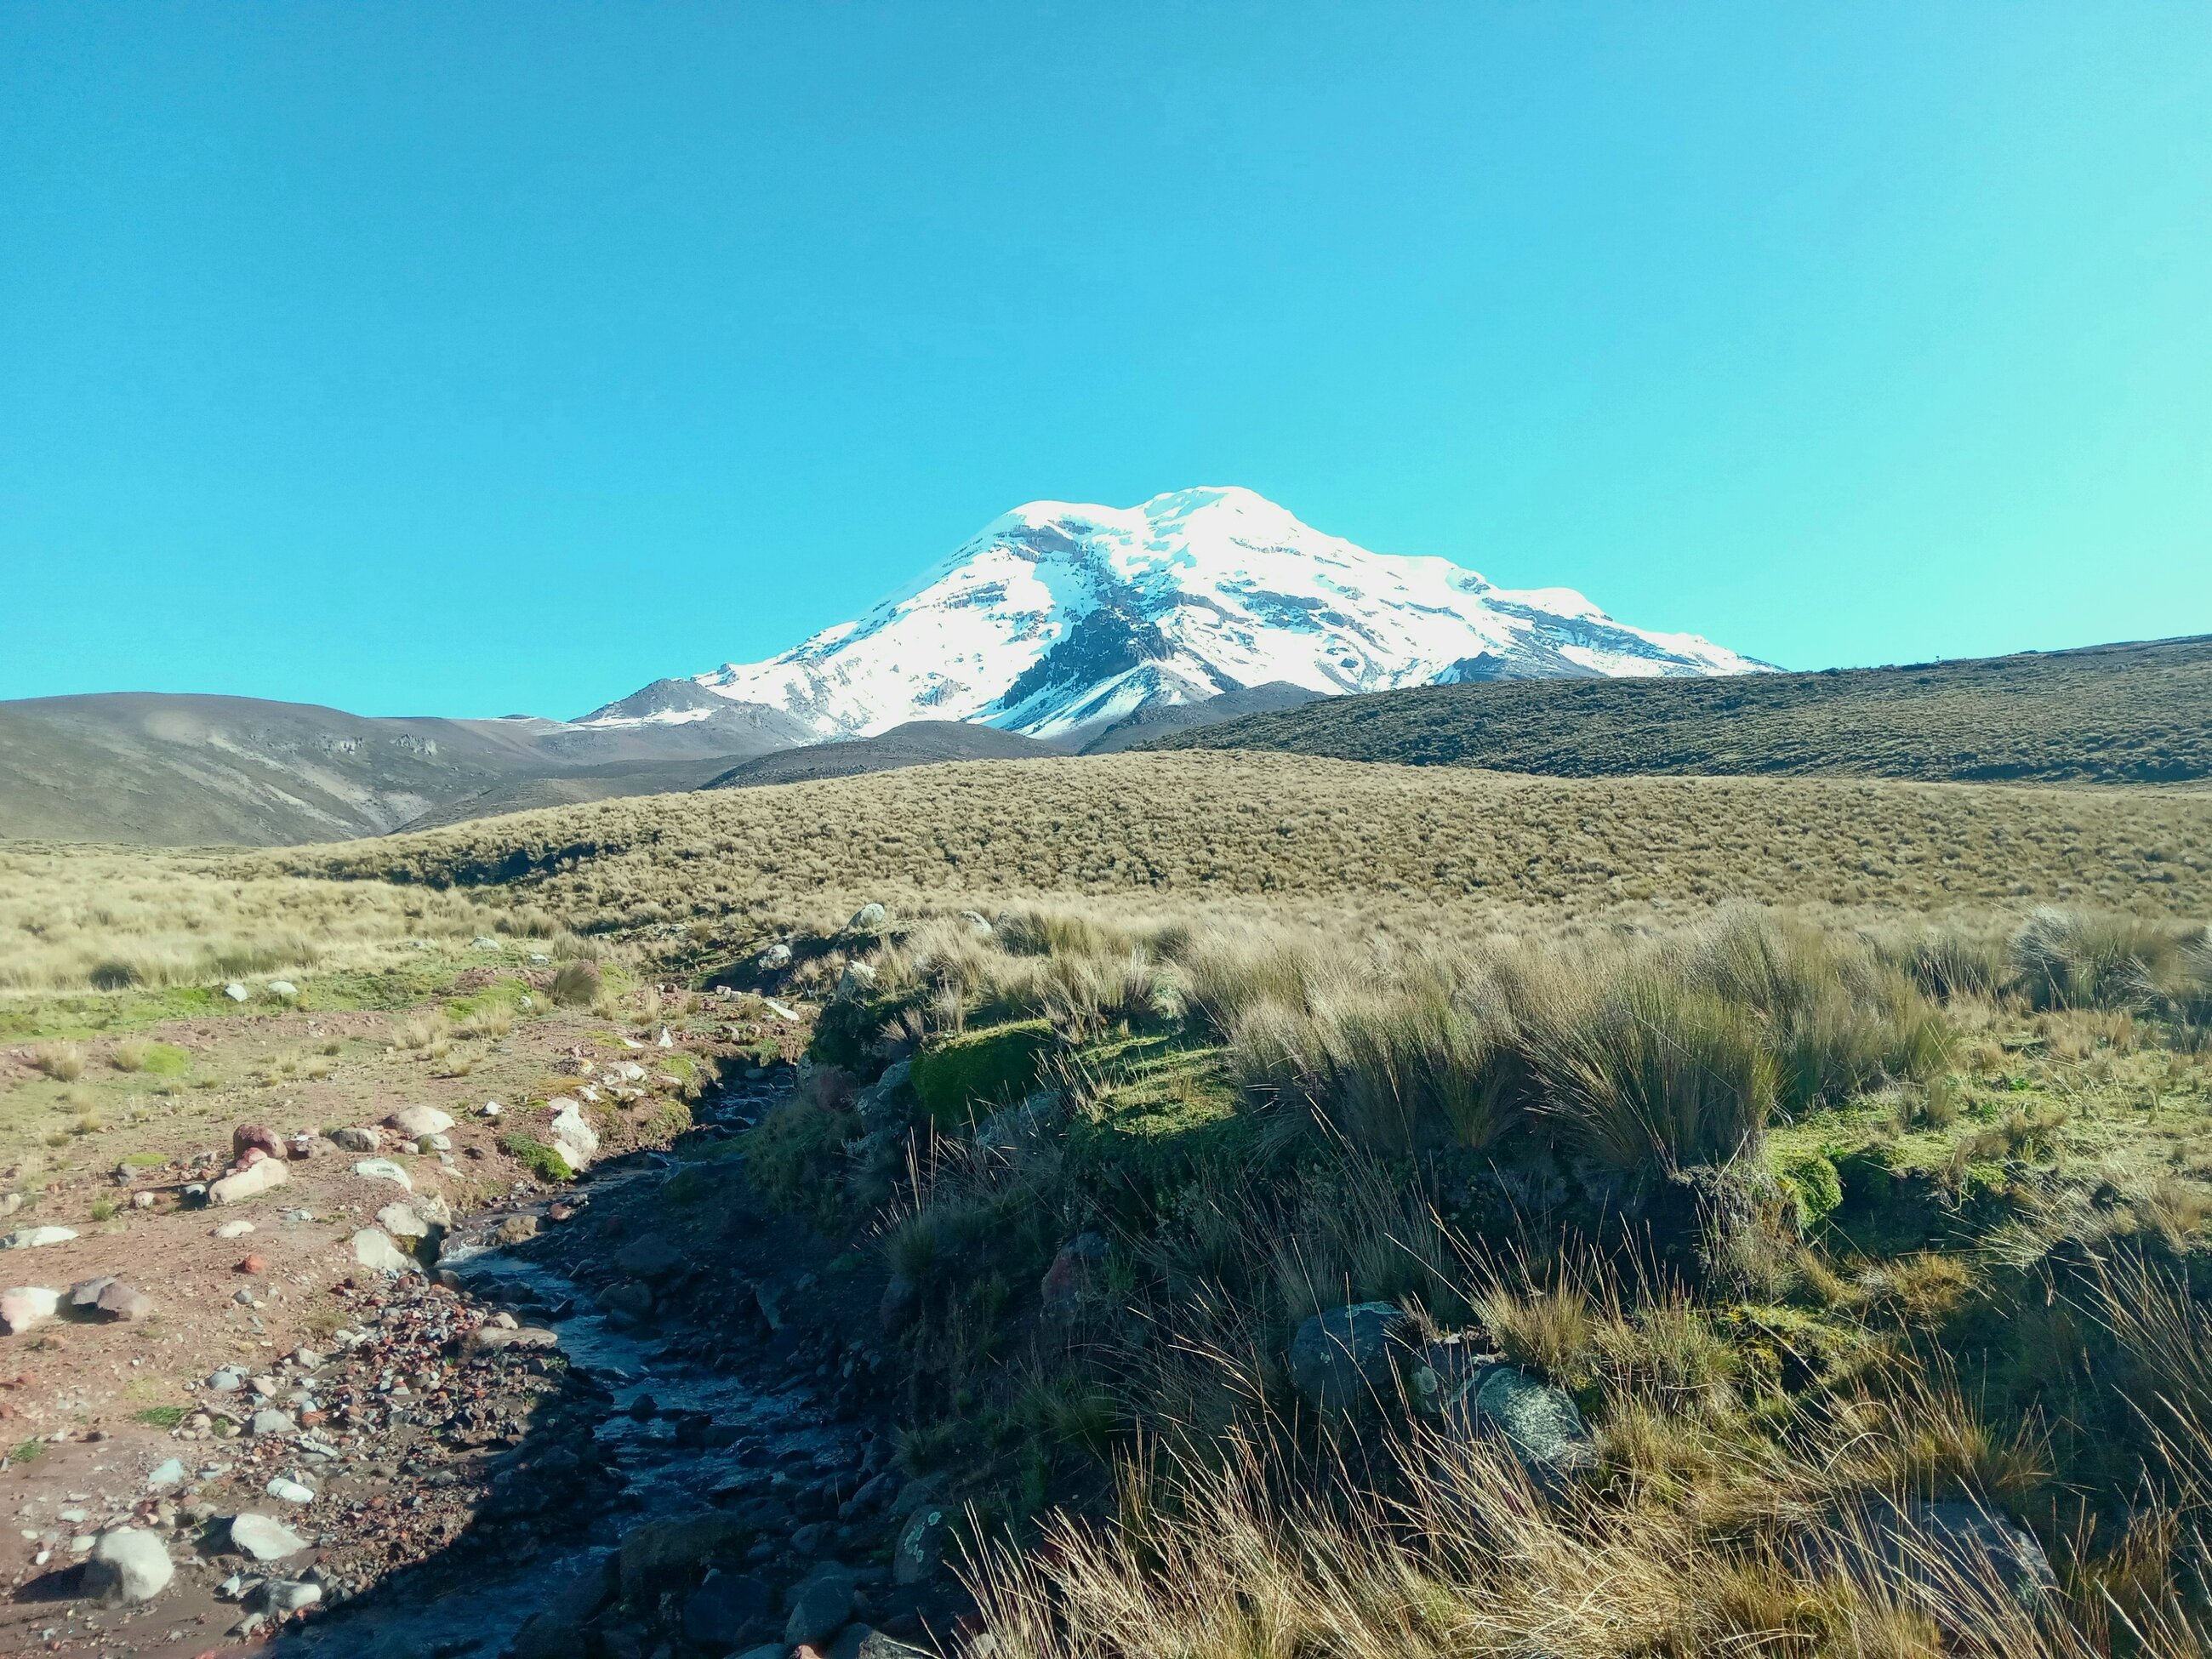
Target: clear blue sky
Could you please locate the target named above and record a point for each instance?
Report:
(469, 358)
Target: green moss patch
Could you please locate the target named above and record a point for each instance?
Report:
(968, 1076)
(1163, 1114)
(542, 1161)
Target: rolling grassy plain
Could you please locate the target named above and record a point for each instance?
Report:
(1841, 1148)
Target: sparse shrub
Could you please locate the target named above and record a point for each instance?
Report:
(62, 1061)
(576, 983)
(2071, 959)
(129, 1054)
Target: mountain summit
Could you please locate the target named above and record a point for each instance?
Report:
(1060, 617)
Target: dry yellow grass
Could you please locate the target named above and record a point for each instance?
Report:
(1287, 827)
(115, 918)
(1282, 834)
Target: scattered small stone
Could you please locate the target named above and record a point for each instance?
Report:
(264, 1539)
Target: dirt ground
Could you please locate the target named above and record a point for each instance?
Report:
(374, 1372)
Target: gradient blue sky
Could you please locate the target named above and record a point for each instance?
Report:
(470, 358)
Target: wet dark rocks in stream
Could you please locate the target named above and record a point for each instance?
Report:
(708, 1447)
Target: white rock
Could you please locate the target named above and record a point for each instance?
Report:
(666, 1040)
(358, 1139)
(290, 1490)
(783, 1012)
(30, 1238)
(373, 1248)
(282, 1595)
(383, 1169)
(484, 942)
(129, 1565)
(235, 991)
(163, 1474)
(402, 1221)
(282, 988)
(233, 1229)
(254, 1179)
(576, 1139)
(416, 1121)
(264, 1539)
(630, 1071)
(27, 1305)
(269, 1421)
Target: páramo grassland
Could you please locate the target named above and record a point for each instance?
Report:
(1342, 1209)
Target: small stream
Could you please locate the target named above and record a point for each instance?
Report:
(652, 1430)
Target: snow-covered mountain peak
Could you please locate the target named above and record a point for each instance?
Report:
(1062, 614)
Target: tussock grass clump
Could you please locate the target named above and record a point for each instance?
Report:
(576, 984)
(2078, 959)
(62, 1061)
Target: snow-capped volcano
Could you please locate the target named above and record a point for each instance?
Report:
(1058, 616)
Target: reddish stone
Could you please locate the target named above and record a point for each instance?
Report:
(248, 1136)
(254, 1264)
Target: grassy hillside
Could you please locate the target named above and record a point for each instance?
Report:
(1284, 829)
(2118, 714)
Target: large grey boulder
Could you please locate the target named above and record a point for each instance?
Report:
(820, 1605)
(869, 918)
(576, 1140)
(249, 1182)
(922, 1543)
(127, 1566)
(1341, 1361)
(25, 1306)
(373, 1248)
(1539, 1424)
(416, 1121)
(32, 1238)
(1964, 1542)
(651, 1258)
